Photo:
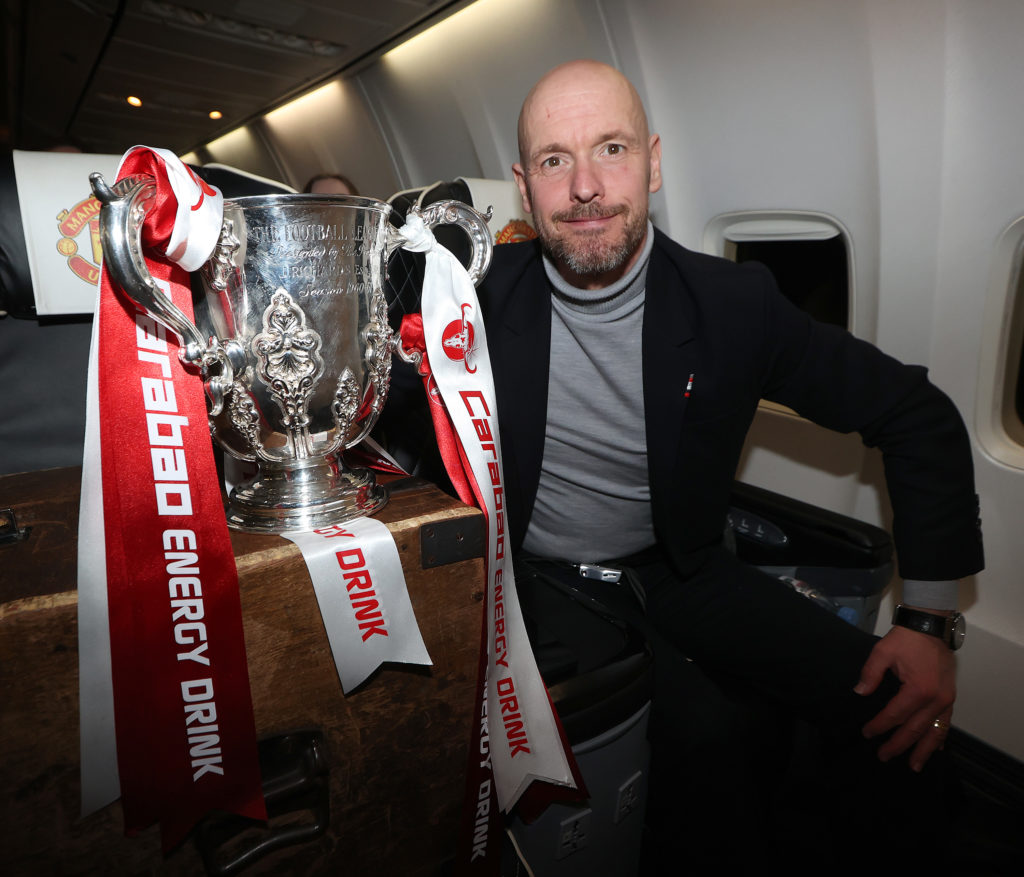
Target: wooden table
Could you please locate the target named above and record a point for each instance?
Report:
(396, 746)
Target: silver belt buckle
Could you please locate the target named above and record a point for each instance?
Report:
(599, 573)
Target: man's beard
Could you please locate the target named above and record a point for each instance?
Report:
(593, 254)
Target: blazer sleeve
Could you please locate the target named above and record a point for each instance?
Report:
(846, 384)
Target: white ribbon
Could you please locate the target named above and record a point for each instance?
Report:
(525, 744)
(360, 588)
(101, 783)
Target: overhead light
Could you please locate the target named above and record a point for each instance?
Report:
(216, 114)
(134, 101)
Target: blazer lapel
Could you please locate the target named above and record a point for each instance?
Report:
(669, 361)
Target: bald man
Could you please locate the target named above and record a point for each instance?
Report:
(587, 166)
(627, 371)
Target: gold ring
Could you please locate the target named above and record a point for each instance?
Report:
(940, 725)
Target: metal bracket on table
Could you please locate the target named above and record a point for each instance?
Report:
(444, 542)
(450, 541)
(9, 530)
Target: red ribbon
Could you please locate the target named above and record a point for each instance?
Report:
(186, 737)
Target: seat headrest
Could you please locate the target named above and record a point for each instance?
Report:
(236, 183)
(59, 220)
(509, 223)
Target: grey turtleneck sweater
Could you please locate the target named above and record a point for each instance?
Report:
(594, 501)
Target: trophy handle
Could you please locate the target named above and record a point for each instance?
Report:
(472, 222)
(121, 219)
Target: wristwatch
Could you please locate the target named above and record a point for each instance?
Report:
(951, 629)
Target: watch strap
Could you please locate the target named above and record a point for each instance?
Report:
(940, 626)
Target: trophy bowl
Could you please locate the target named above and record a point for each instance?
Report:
(291, 337)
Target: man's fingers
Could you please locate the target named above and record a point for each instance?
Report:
(918, 714)
(933, 739)
(871, 674)
(914, 731)
(896, 712)
(921, 730)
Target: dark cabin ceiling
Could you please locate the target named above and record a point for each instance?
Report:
(68, 65)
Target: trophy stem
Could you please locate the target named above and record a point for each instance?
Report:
(303, 495)
(301, 444)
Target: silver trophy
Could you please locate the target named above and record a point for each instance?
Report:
(291, 337)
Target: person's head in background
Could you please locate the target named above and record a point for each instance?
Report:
(330, 184)
(62, 144)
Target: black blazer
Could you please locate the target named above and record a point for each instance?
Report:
(728, 326)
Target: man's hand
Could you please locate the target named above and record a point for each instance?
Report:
(926, 670)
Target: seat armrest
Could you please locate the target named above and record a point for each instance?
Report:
(775, 530)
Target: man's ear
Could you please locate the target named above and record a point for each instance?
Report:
(520, 175)
(655, 150)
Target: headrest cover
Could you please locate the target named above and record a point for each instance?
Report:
(61, 222)
(509, 222)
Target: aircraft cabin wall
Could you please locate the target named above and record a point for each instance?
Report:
(895, 123)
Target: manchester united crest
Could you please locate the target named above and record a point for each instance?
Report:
(514, 232)
(79, 228)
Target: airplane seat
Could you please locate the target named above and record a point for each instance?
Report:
(599, 672)
(408, 432)
(49, 266)
(236, 183)
(16, 299)
(508, 223)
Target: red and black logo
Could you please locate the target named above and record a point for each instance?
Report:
(458, 340)
(83, 217)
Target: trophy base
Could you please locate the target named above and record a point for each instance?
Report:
(304, 496)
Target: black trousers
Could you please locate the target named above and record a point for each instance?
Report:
(758, 759)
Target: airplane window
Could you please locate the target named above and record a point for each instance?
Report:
(1008, 353)
(813, 274)
(808, 253)
(999, 405)
(1020, 391)
(1016, 359)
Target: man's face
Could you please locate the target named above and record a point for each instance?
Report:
(588, 168)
